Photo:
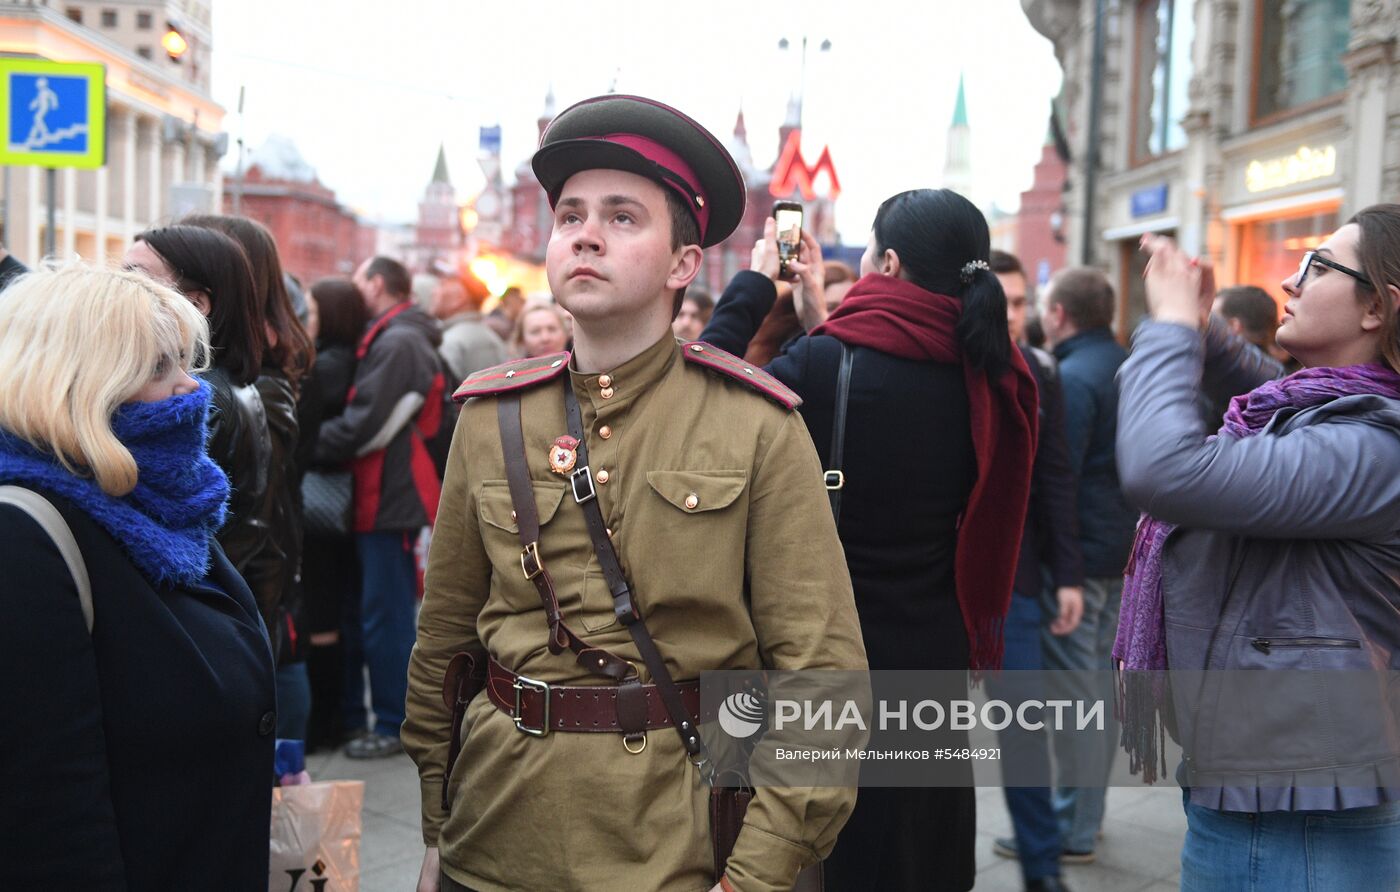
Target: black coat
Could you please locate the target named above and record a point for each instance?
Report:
(909, 466)
(1051, 540)
(329, 571)
(137, 757)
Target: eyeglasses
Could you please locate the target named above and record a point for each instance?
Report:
(1312, 257)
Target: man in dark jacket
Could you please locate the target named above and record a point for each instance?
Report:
(1077, 310)
(398, 385)
(1049, 546)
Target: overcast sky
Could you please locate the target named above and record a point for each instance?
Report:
(368, 90)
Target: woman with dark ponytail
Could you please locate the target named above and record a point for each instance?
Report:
(938, 439)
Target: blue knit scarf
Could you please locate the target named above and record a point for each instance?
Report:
(165, 523)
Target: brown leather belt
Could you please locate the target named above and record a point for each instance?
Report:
(538, 707)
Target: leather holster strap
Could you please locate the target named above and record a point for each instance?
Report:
(592, 708)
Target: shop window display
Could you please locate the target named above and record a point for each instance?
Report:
(1269, 250)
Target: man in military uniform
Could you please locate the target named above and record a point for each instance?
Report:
(711, 494)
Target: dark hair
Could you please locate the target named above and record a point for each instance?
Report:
(290, 350)
(685, 230)
(702, 300)
(936, 233)
(1034, 332)
(834, 272)
(397, 281)
(342, 312)
(209, 261)
(1006, 264)
(1379, 250)
(1254, 307)
(1086, 295)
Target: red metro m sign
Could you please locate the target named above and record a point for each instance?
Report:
(792, 171)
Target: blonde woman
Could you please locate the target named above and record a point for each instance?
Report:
(137, 755)
(542, 328)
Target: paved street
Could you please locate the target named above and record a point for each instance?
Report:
(1138, 853)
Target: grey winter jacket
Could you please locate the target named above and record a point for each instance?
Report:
(1286, 557)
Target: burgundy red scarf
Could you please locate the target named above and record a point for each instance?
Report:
(902, 319)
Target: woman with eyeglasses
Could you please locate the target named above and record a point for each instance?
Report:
(1273, 544)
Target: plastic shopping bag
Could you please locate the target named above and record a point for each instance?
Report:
(316, 837)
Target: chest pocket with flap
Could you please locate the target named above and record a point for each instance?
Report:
(498, 510)
(694, 492)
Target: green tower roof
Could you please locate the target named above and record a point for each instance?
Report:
(440, 172)
(960, 111)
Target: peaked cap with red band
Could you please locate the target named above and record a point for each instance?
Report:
(645, 137)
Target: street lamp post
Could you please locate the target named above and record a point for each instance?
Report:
(785, 44)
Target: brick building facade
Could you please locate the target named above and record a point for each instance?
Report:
(316, 235)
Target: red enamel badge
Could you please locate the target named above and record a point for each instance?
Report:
(563, 454)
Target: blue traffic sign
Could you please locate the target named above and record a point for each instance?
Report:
(48, 113)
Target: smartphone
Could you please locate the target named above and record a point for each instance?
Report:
(788, 217)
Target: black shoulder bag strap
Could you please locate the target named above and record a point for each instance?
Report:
(835, 478)
(624, 606)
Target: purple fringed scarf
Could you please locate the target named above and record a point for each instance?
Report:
(1141, 643)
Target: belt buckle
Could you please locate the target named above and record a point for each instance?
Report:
(582, 483)
(520, 684)
(530, 558)
(834, 480)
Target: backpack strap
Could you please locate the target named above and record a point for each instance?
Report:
(47, 516)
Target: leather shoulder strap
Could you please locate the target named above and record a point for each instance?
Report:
(731, 366)
(532, 565)
(47, 516)
(513, 376)
(624, 604)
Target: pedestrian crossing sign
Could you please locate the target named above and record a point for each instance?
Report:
(54, 113)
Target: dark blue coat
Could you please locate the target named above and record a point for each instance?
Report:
(137, 757)
(1051, 540)
(1088, 363)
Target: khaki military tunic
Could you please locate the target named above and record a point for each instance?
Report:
(713, 495)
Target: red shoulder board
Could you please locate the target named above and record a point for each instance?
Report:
(731, 366)
(516, 375)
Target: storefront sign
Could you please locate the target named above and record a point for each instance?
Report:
(1149, 201)
(1308, 163)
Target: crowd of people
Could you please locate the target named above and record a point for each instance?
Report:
(841, 469)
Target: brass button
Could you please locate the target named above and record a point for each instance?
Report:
(603, 476)
(696, 348)
(609, 532)
(605, 380)
(607, 393)
(692, 501)
(605, 432)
